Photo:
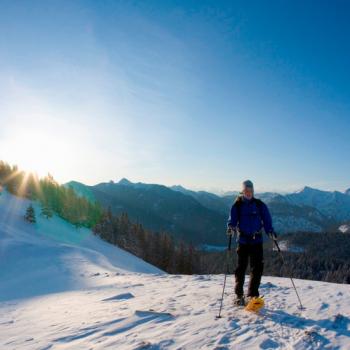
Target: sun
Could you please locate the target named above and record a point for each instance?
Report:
(37, 151)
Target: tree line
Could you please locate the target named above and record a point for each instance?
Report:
(157, 248)
(53, 197)
(319, 256)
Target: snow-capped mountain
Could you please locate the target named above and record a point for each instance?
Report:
(173, 208)
(64, 288)
(309, 209)
(291, 212)
(347, 192)
(331, 204)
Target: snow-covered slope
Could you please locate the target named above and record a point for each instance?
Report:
(52, 255)
(177, 312)
(63, 288)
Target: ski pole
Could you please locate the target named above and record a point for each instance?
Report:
(283, 261)
(226, 273)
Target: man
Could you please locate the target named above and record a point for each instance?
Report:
(248, 217)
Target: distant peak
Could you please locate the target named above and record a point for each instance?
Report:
(124, 181)
(178, 187)
(347, 192)
(306, 189)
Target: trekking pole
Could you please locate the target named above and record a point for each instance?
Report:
(226, 273)
(283, 261)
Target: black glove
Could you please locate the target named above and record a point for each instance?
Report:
(230, 230)
(272, 235)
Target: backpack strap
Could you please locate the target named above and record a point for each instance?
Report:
(238, 204)
(259, 204)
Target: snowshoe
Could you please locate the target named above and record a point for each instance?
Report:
(255, 304)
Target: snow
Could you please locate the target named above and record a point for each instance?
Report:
(344, 228)
(64, 288)
(53, 254)
(285, 246)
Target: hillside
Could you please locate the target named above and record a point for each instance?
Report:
(160, 208)
(52, 255)
(63, 288)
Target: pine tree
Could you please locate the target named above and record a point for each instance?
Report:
(30, 215)
(181, 258)
(46, 211)
(190, 259)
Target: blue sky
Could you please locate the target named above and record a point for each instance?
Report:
(199, 93)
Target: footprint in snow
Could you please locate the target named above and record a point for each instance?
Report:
(152, 313)
(134, 285)
(324, 306)
(202, 278)
(269, 344)
(226, 339)
(154, 346)
(314, 339)
(123, 296)
(341, 321)
(180, 296)
(268, 285)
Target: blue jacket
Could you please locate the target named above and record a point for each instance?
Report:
(252, 219)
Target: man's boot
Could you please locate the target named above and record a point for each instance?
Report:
(239, 300)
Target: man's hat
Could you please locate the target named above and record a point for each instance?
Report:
(247, 184)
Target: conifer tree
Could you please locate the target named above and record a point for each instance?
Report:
(30, 214)
(46, 211)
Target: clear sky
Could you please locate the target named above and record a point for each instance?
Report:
(199, 93)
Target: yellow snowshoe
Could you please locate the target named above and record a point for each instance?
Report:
(255, 304)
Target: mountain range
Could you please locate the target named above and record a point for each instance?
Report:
(200, 217)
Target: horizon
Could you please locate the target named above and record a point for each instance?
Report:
(216, 191)
(203, 94)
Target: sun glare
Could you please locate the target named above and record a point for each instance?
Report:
(37, 151)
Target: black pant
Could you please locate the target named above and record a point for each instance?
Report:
(253, 252)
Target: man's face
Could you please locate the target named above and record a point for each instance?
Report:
(248, 193)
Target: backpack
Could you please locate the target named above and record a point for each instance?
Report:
(238, 205)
